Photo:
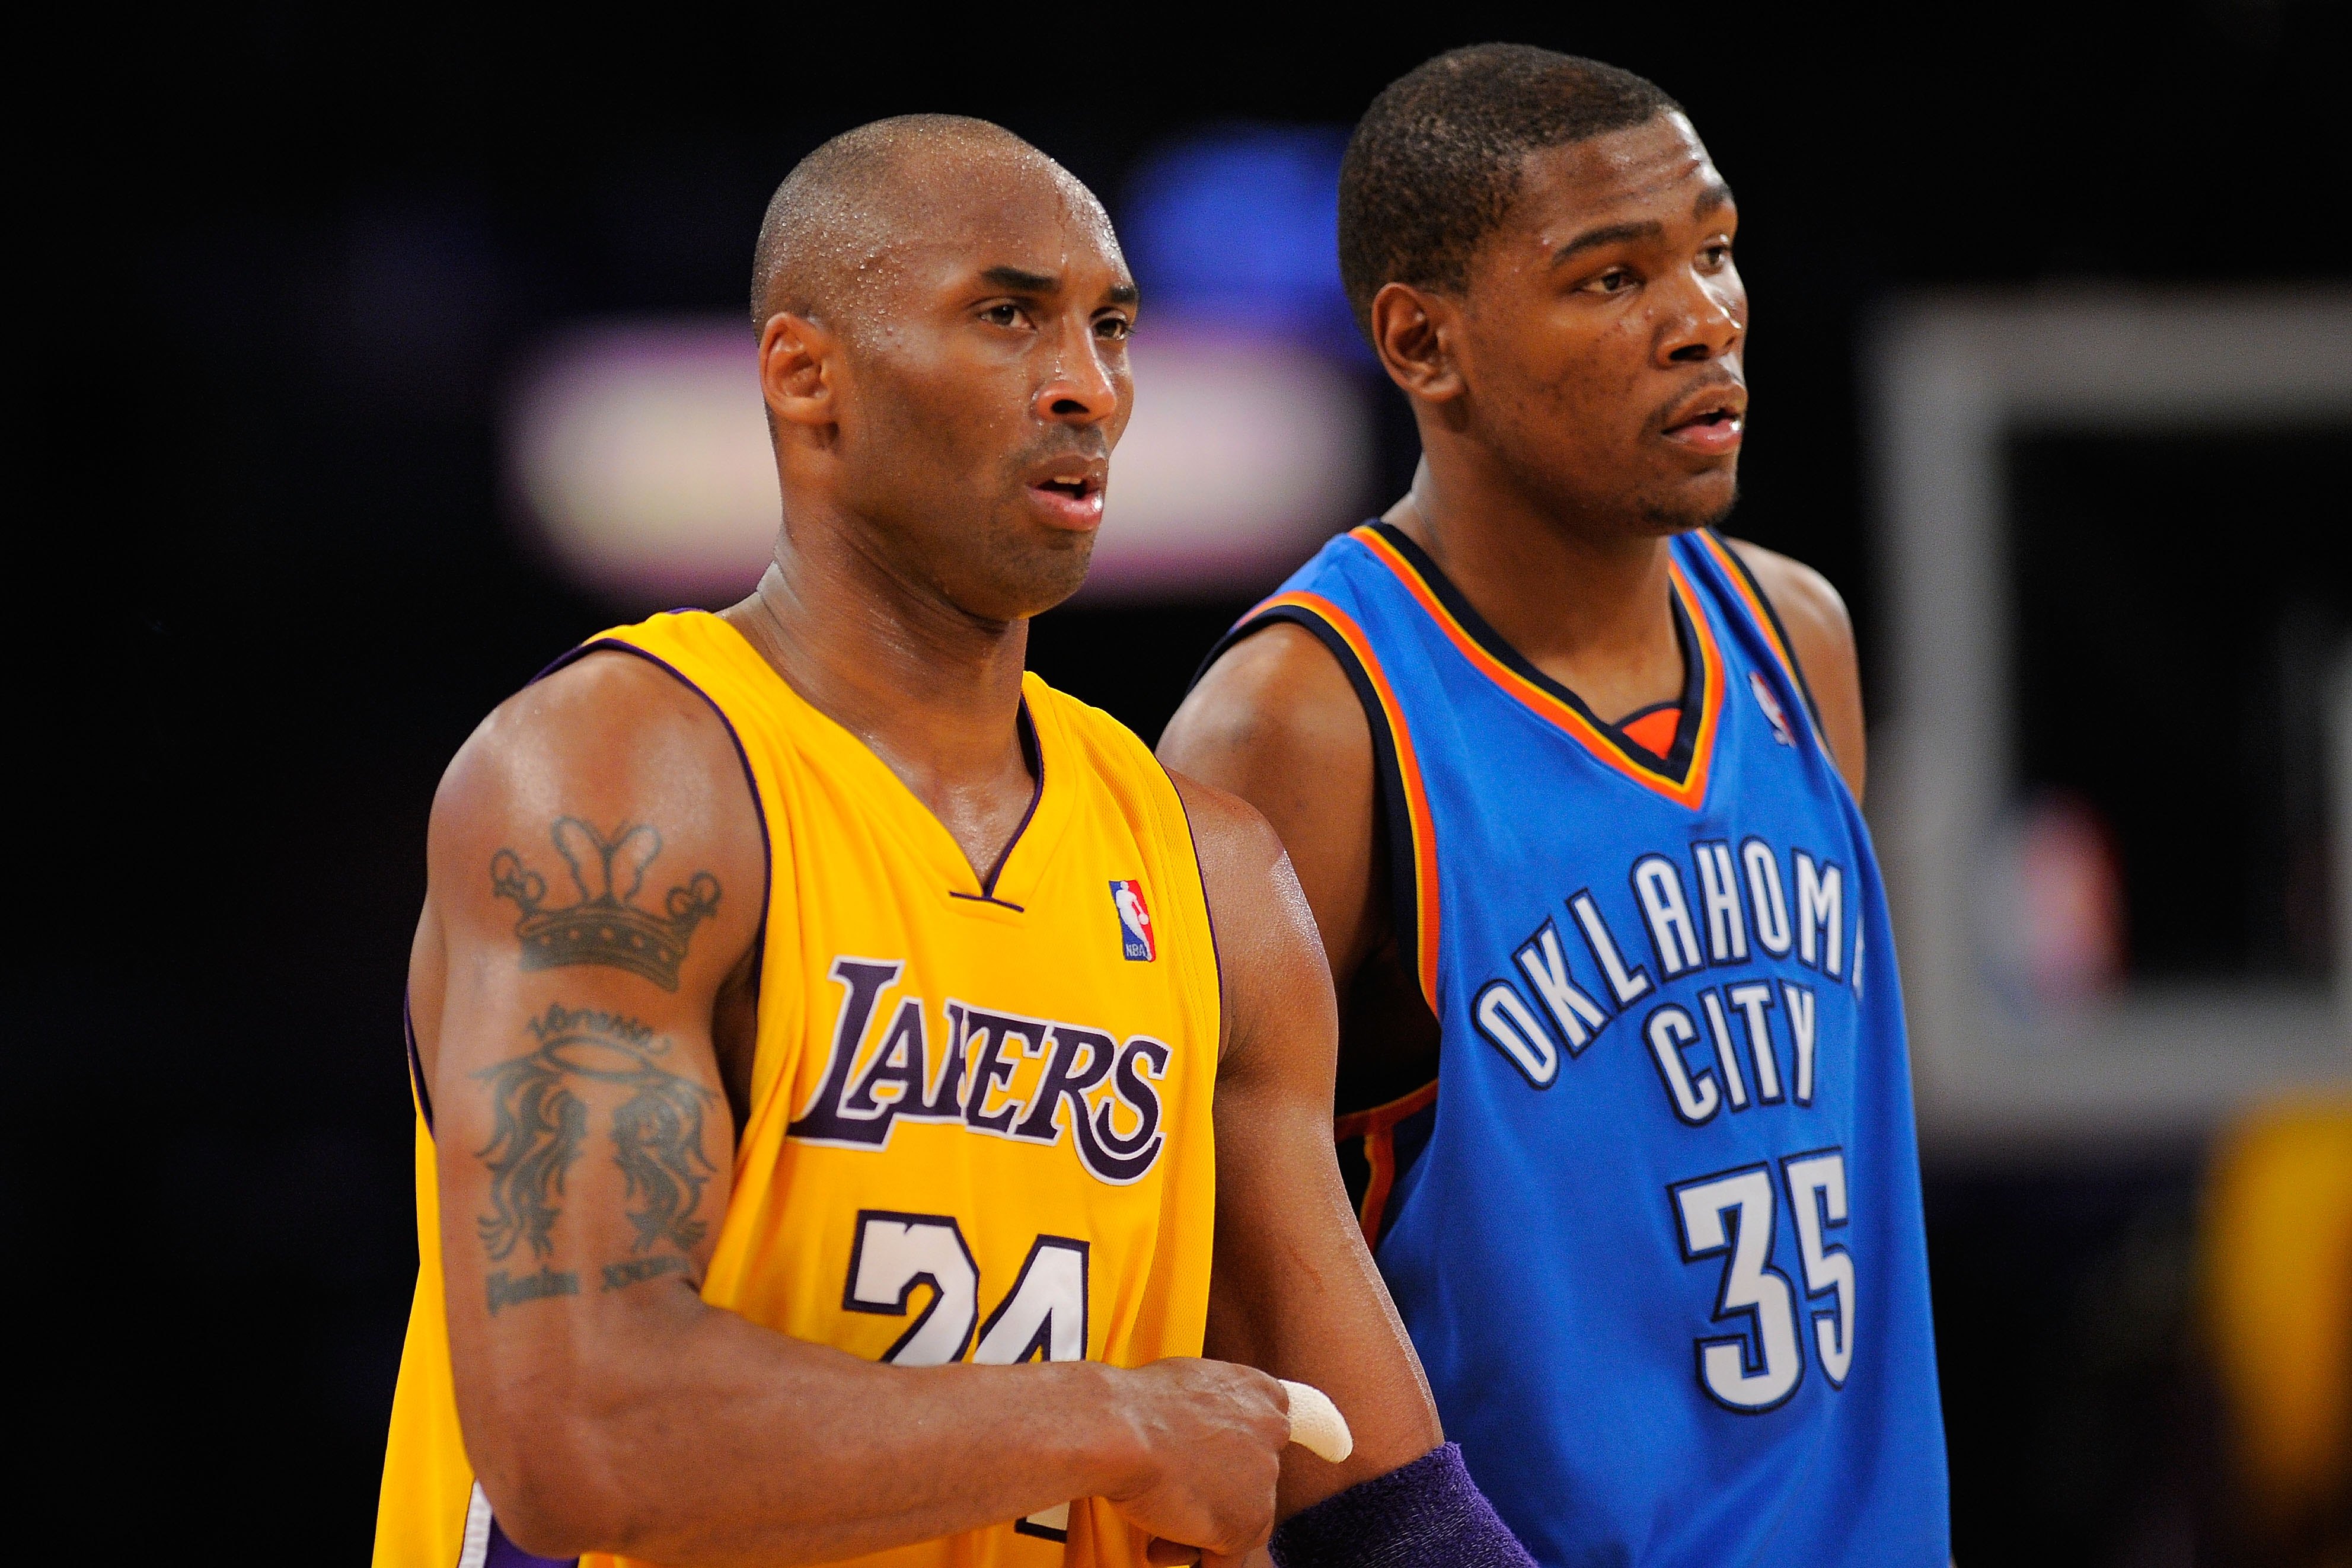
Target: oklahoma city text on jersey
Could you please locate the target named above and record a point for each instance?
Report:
(1741, 918)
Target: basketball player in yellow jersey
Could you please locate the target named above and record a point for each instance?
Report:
(840, 1130)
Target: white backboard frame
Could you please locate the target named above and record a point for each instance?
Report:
(1949, 379)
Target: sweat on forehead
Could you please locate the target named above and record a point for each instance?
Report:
(844, 203)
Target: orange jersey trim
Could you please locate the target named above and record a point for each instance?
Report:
(1737, 572)
(1378, 1128)
(1691, 791)
(1416, 794)
(1654, 731)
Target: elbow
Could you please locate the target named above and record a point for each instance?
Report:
(541, 1529)
(570, 1430)
(548, 1466)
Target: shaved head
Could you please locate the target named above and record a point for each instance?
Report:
(837, 215)
(942, 313)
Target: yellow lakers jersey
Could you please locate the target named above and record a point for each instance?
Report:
(980, 1117)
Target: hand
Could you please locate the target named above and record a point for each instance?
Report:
(1211, 1436)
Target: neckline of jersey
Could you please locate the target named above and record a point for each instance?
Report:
(1681, 775)
(1006, 886)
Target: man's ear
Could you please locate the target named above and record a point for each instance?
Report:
(1413, 334)
(798, 363)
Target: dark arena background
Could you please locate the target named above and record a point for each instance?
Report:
(325, 326)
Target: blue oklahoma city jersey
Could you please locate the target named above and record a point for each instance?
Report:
(1655, 1228)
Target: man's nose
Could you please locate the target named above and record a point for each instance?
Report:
(1080, 390)
(1708, 326)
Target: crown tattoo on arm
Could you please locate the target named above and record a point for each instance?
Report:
(606, 927)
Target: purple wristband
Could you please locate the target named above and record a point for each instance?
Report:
(1427, 1514)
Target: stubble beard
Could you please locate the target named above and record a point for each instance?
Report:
(1036, 572)
(1014, 574)
(1664, 520)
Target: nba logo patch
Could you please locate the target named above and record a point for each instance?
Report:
(1134, 922)
(1771, 706)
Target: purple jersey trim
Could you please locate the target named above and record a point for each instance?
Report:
(1033, 754)
(505, 1553)
(416, 1062)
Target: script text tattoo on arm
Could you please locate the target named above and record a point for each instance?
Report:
(539, 1123)
(606, 924)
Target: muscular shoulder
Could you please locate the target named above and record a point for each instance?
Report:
(1277, 722)
(611, 753)
(1808, 604)
(1268, 955)
(1277, 695)
(1821, 635)
(1235, 841)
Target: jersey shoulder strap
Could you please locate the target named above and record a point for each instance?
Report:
(1340, 597)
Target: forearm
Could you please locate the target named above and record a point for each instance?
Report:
(1298, 1296)
(1303, 1294)
(1318, 1314)
(706, 1439)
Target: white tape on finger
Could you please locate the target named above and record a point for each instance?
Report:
(1316, 1423)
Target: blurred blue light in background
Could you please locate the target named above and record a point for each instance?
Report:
(1237, 226)
(639, 447)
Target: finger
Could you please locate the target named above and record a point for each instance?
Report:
(1316, 1423)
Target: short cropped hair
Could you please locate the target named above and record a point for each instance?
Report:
(1433, 165)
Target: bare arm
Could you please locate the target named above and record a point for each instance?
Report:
(1820, 634)
(1276, 722)
(584, 1144)
(1293, 1291)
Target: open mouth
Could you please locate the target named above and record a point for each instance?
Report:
(1715, 423)
(1070, 500)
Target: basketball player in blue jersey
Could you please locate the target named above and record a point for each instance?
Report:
(1571, 784)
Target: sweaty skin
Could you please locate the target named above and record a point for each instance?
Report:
(1579, 401)
(943, 434)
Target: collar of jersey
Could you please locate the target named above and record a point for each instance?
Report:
(1680, 776)
(1008, 886)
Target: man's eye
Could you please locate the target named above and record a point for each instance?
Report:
(1114, 327)
(1003, 315)
(1616, 280)
(1717, 254)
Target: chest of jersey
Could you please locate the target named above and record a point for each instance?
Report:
(1006, 1096)
(980, 1122)
(1680, 941)
(1687, 966)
